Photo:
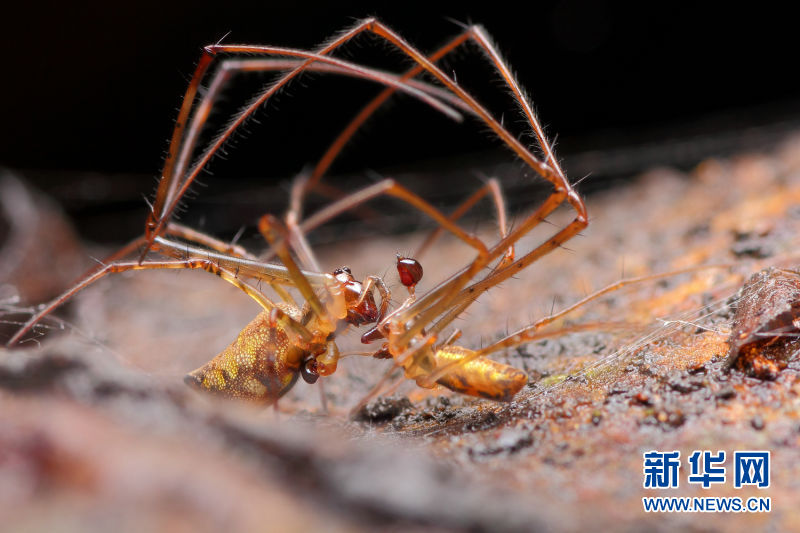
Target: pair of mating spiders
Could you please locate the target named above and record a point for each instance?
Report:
(287, 340)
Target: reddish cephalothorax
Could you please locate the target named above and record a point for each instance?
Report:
(360, 310)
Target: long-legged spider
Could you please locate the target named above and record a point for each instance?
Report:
(286, 339)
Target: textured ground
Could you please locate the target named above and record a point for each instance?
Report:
(97, 428)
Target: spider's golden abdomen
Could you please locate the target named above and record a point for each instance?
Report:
(481, 377)
(261, 365)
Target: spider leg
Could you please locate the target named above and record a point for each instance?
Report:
(355, 124)
(537, 330)
(479, 35)
(366, 112)
(529, 333)
(452, 295)
(297, 237)
(174, 229)
(178, 251)
(167, 185)
(390, 187)
(237, 263)
(327, 314)
(205, 264)
(387, 187)
(277, 236)
(228, 68)
(242, 266)
(184, 232)
(173, 184)
(492, 186)
(305, 252)
(449, 294)
(179, 230)
(468, 371)
(551, 173)
(133, 246)
(374, 282)
(168, 195)
(562, 190)
(272, 64)
(440, 300)
(298, 240)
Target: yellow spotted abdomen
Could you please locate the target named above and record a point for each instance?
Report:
(261, 365)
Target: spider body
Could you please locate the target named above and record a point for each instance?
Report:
(479, 377)
(261, 365)
(287, 340)
(266, 358)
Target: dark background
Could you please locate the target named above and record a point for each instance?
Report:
(91, 91)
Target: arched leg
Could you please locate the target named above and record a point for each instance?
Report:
(173, 184)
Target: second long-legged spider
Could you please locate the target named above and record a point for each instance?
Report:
(286, 339)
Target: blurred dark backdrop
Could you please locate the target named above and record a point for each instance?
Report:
(90, 91)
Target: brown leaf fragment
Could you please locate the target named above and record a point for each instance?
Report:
(766, 326)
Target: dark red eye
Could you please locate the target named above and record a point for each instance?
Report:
(410, 271)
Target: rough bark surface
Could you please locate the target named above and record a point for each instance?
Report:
(97, 429)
